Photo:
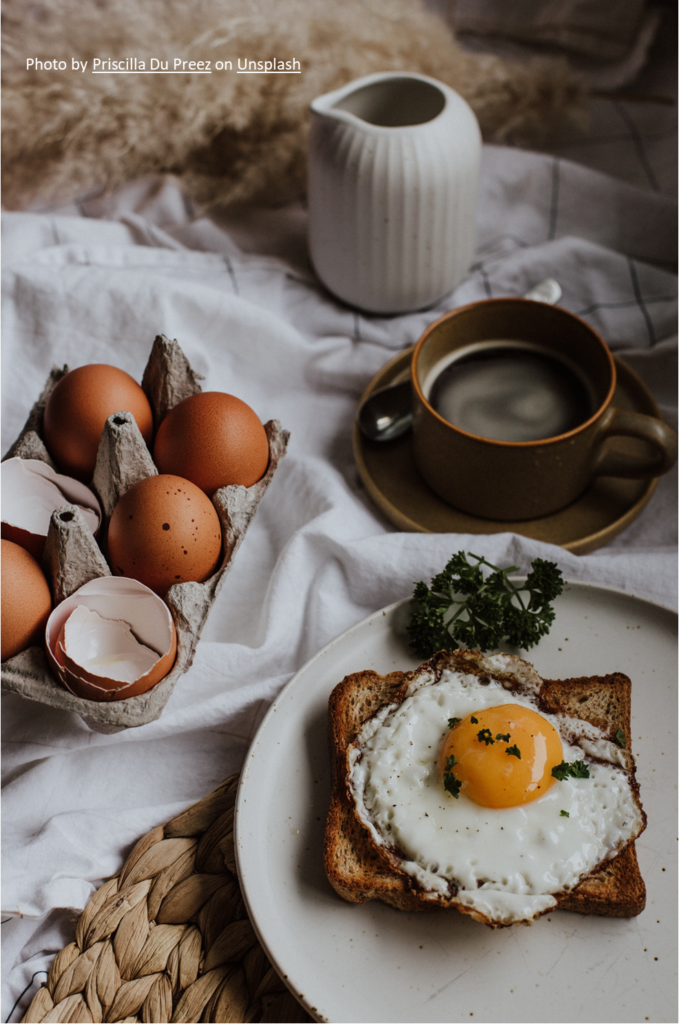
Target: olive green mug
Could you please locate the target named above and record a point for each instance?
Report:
(488, 358)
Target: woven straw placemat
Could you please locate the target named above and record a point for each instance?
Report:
(168, 940)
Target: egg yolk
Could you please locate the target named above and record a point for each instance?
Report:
(503, 756)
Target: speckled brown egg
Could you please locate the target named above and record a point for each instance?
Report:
(77, 410)
(26, 600)
(212, 439)
(163, 531)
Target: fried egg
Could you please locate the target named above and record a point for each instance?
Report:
(455, 787)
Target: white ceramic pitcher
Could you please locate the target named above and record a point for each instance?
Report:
(393, 180)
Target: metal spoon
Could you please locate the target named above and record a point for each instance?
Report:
(386, 413)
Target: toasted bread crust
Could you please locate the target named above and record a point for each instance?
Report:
(359, 871)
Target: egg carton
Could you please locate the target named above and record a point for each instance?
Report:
(73, 557)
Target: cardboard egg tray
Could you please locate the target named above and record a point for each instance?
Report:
(73, 557)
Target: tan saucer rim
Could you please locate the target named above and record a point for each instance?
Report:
(390, 476)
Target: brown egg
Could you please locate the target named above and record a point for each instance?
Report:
(26, 600)
(77, 410)
(164, 530)
(213, 440)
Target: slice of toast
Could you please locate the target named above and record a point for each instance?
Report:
(358, 872)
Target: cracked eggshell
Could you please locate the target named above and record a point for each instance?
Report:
(132, 604)
(31, 491)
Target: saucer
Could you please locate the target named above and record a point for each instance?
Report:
(393, 481)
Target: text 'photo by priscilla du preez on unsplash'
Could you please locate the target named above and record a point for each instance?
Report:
(174, 66)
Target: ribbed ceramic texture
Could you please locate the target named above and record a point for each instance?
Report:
(392, 210)
(168, 940)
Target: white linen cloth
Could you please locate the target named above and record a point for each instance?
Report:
(319, 557)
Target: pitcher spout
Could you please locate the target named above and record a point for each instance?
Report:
(384, 100)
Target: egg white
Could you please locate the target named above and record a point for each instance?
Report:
(505, 863)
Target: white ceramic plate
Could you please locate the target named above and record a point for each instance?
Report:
(373, 963)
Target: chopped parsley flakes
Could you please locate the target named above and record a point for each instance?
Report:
(574, 769)
(451, 783)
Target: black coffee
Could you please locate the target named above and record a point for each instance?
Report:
(508, 391)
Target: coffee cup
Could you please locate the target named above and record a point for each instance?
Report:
(512, 407)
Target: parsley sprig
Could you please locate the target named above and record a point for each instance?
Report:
(462, 606)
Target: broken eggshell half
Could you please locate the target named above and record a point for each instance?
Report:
(31, 490)
(113, 638)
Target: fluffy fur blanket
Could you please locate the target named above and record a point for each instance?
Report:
(232, 138)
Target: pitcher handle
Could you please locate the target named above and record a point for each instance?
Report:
(621, 423)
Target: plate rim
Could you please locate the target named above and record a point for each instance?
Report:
(271, 711)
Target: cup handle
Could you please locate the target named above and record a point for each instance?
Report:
(621, 423)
